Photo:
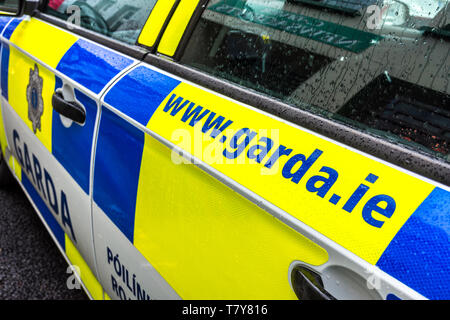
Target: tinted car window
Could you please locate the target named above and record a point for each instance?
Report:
(380, 66)
(122, 20)
(9, 5)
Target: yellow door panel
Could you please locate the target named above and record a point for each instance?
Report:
(49, 49)
(206, 240)
(86, 275)
(20, 70)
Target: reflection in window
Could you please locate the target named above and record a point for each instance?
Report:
(122, 20)
(392, 81)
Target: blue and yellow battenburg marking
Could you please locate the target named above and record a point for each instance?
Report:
(3, 140)
(33, 181)
(387, 217)
(364, 205)
(96, 67)
(86, 63)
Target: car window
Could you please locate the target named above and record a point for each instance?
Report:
(380, 66)
(122, 20)
(9, 5)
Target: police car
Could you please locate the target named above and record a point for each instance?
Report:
(234, 149)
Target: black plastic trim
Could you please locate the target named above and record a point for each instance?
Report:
(69, 109)
(190, 29)
(308, 285)
(30, 7)
(416, 161)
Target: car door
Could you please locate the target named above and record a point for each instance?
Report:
(52, 81)
(53, 153)
(228, 201)
(121, 270)
(353, 75)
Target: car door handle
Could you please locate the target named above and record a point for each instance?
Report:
(308, 285)
(69, 109)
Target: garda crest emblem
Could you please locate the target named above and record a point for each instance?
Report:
(34, 98)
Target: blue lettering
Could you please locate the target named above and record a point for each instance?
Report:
(373, 205)
(306, 165)
(38, 174)
(65, 215)
(175, 105)
(16, 138)
(281, 151)
(53, 201)
(141, 295)
(239, 147)
(28, 168)
(326, 183)
(195, 115)
(114, 285)
(215, 124)
(355, 198)
(359, 193)
(122, 294)
(259, 152)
